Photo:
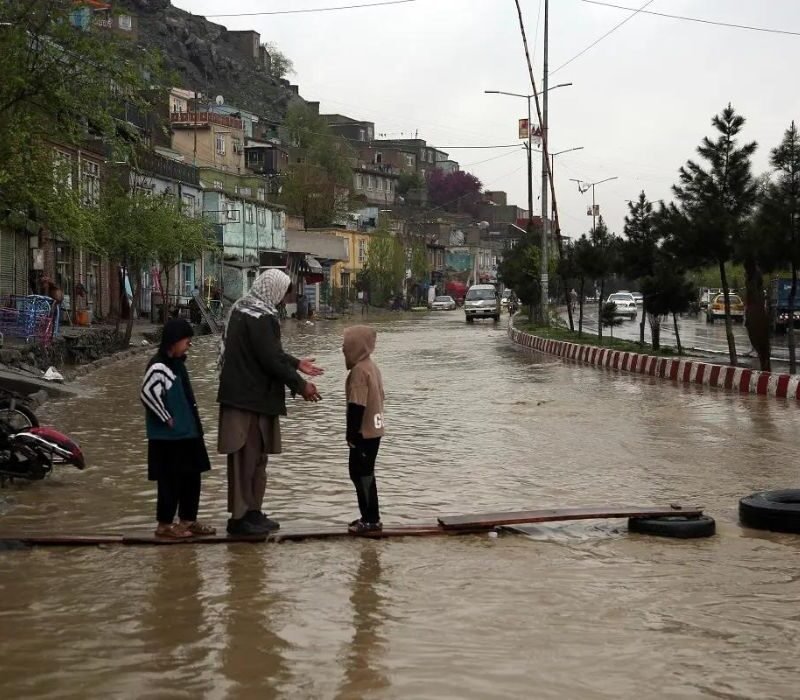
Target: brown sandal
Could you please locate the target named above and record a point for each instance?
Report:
(198, 528)
(173, 532)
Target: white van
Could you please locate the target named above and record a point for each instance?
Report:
(482, 301)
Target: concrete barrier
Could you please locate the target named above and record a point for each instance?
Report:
(739, 379)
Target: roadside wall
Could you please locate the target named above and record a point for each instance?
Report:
(742, 380)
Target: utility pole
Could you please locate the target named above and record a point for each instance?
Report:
(585, 187)
(530, 167)
(545, 268)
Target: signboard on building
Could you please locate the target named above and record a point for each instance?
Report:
(458, 259)
(593, 210)
(524, 128)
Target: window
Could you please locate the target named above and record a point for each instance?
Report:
(237, 145)
(373, 182)
(380, 184)
(262, 194)
(410, 160)
(389, 186)
(362, 251)
(246, 191)
(125, 22)
(90, 183)
(362, 135)
(218, 185)
(359, 182)
(262, 217)
(187, 278)
(62, 169)
(63, 260)
(221, 144)
(379, 158)
(277, 220)
(232, 212)
(189, 204)
(249, 211)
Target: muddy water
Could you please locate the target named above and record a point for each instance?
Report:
(574, 611)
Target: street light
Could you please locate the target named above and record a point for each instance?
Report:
(584, 187)
(558, 153)
(530, 160)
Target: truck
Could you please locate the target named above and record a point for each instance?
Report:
(779, 291)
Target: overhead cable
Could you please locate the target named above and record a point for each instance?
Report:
(315, 9)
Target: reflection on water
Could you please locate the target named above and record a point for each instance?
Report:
(575, 611)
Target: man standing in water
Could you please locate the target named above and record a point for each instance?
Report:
(254, 373)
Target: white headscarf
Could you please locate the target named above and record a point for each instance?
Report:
(268, 290)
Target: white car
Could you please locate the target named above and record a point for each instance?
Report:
(626, 304)
(443, 304)
(639, 297)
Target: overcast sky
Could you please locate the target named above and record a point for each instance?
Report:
(641, 100)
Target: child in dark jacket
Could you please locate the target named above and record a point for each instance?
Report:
(176, 454)
(365, 423)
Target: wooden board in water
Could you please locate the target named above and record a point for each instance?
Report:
(487, 521)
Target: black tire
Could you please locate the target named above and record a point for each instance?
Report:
(709, 318)
(778, 511)
(470, 319)
(496, 319)
(17, 414)
(679, 526)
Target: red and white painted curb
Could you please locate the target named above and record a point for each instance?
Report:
(745, 381)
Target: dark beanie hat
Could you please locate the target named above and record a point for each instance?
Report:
(174, 330)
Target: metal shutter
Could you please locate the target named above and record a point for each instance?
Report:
(22, 257)
(6, 263)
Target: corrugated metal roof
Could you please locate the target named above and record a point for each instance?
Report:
(320, 245)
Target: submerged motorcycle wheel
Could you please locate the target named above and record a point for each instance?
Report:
(679, 526)
(17, 415)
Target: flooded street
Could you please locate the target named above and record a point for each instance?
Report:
(583, 611)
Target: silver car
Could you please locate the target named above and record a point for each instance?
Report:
(444, 303)
(626, 304)
(482, 301)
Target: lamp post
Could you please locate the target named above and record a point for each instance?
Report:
(583, 187)
(558, 153)
(530, 135)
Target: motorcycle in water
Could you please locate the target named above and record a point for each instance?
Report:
(30, 451)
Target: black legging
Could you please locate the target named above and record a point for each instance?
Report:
(362, 474)
(178, 490)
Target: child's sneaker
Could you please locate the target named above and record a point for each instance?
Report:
(359, 527)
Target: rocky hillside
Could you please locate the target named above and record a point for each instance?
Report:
(202, 54)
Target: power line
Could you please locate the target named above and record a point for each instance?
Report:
(634, 12)
(508, 145)
(695, 19)
(502, 155)
(315, 9)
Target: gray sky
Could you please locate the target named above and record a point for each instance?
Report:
(641, 102)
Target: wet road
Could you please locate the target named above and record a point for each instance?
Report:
(575, 611)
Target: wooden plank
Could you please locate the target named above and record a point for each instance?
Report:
(415, 530)
(148, 538)
(488, 521)
(60, 540)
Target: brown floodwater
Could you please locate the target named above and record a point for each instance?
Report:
(576, 611)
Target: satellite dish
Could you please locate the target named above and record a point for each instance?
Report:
(220, 100)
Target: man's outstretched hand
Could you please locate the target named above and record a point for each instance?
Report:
(310, 392)
(308, 367)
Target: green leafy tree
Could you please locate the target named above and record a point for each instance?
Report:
(68, 85)
(604, 261)
(409, 181)
(316, 187)
(638, 250)
(584, 264)
(717, 200)
(280, 65)
(138, 229)
(609, 318)
(386, 265)
(669, 293)
(519, 270)
(779, 219)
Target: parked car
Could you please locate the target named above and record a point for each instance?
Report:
(779, 304)
(707, 295)
(482, 301)
(625, 302)
(445, 303)
(639, 297)
(717, 308)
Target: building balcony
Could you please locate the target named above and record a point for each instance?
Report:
(201, 120)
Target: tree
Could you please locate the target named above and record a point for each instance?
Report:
(280, 65)
(456, 192)
(609, 318)
(316, 187)
(57, 85)
(386, 265)
(638, 251)
(568, 270)
(717, 201)
(137, 229)
(605, 252)
(778, 221)
(584, 262)
(409, 181)
(519, 270)
(669, 293)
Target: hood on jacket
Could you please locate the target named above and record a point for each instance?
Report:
(358, 344)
